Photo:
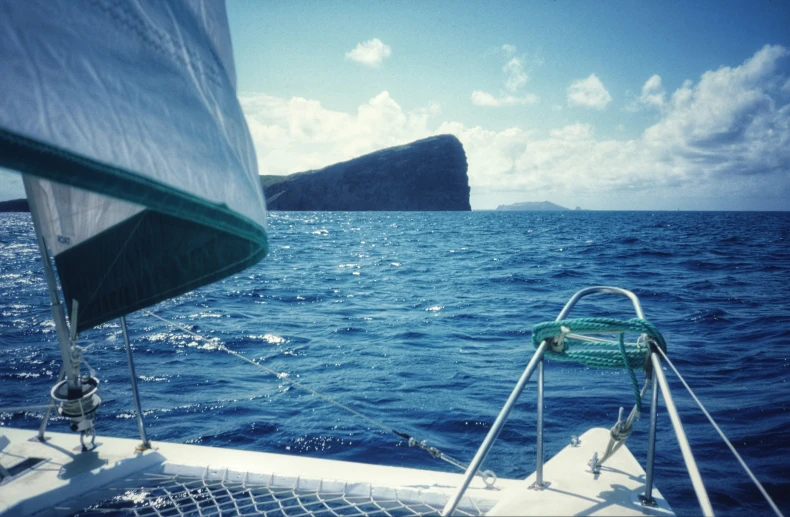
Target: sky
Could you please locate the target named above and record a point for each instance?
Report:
(610, 106)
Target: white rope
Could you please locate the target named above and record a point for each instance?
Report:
(723, 437)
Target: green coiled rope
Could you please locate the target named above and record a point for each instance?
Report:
(567, 343)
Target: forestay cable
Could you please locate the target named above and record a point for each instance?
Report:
(723, 436)
(488, 477)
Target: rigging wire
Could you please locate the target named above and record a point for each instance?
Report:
(723, 436)
(489, 478)
(21, 408)
(216, 342)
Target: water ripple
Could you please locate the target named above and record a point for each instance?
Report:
(422, 321)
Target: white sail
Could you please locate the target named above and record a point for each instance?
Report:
(139, 164)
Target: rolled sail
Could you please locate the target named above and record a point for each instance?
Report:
(137, 160)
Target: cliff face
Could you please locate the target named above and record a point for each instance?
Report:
(428, 174)
(14, 205)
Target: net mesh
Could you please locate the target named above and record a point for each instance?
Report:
(175, 495)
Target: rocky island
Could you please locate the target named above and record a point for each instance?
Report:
(534, 206)
(429, 174)
(14, 205)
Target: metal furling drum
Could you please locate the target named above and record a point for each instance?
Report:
(79, 407)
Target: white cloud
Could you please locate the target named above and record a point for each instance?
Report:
(481, 98)
(727, 135)
(298, 134)
(370, 53)
(515, 80)
(734, 121)
(588, 93)
(653, 95)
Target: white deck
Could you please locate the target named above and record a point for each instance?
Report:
(574, 490)
(69, 481)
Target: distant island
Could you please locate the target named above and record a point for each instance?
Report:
(534, 206)
(429, 174)
(14, 205)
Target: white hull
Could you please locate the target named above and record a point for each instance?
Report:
(242, 482)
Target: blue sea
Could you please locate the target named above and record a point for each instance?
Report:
(422, 321)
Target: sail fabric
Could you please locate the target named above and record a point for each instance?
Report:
(138, 163)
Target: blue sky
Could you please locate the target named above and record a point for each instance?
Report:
(614, 105)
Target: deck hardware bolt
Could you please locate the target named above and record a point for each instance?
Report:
(595, 468)
(539, 486)
(647, 501)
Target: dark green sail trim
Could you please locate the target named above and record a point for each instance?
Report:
(32, 157)
(179, 243)
(146, 259)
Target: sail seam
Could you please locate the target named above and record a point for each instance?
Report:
(160, 42)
